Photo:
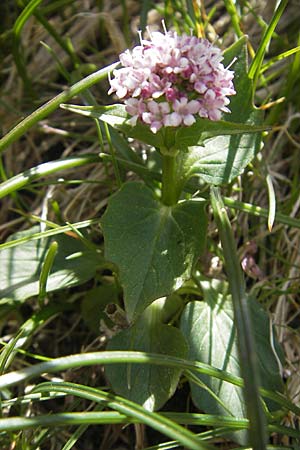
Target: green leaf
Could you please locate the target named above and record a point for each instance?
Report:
(21, 266)
(94, 303)
(170, 137)
(204, 129)
(116, 116)
(209, 329)
(154, 246)
(221, 159)
(150, 386)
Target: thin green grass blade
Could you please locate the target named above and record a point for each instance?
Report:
(206, 435)
(17, 29)
(293, 75)
(29, 398)
(55, 5)
(290, 83)
(61, 69)
(26, 331)
(261, 212)
(24, 16)
(113, 154)
(79, 432)
(75, 436)
(113, 357)
(35, 173)
(63, 419)
(45, 272)
(128, 408)
(193, 378)
(256, 64)
(43, 111)
(257, 431)
(110, 417)
(53, 232)
(116, 357)
(51, 30)
(280, 57)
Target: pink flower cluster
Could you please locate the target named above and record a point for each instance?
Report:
(172, 79)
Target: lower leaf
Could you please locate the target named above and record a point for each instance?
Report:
(209, 329)
(150, 386)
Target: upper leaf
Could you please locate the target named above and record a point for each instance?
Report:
(179, 137)
(153, 245)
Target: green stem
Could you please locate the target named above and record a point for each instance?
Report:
(169, 191)
(248, 359)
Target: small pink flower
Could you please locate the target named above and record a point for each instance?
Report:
(171, 80)
(135, 108)
(183, 113)
(211, 105)
(171, 94)
(154, 115)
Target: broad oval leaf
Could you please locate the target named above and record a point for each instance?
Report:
(209, 329)
(154, 246)
(150, 386)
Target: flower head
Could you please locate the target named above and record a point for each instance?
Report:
(171, 79)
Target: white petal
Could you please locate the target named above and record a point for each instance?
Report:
(157, 94)
(155, 126)
(189, 119)
(132, 120)
(172, 120)
(193, 107)
(121, 91)
(147, 117)
(164, 107)
(153, 107)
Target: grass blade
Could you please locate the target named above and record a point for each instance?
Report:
(261, 212)
(17, 29)
(128, 408)
(43, 111)
(256, 64)
(45, 272)
(116, 357)
(257, 432)
(28, 176)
